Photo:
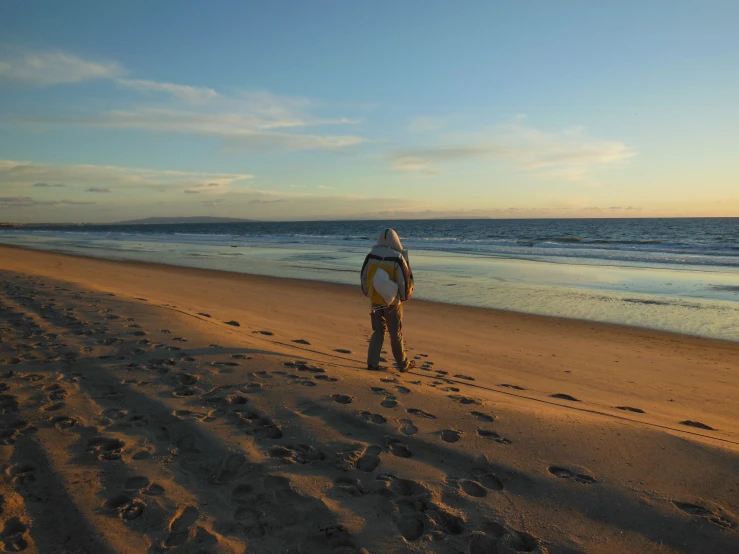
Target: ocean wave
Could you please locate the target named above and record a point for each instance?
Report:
(606, 241)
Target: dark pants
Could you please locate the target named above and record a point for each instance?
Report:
(388, 319)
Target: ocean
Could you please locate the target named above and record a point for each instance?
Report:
(679, 275)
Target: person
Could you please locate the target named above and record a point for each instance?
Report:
(387, 280)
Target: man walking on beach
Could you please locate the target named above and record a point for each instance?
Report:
(387, 280)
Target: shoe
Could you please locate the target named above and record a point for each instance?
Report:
(375, 368)
(410, 364)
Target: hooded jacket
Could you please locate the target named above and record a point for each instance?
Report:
(387, 254)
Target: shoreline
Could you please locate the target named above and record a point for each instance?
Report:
(297, 281)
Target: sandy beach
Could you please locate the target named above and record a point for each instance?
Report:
(152, 408)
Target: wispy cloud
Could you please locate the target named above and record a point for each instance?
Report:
(568, 155)
(184, 92)
(244, 120)
(415, 164)
(207, 187)
(20, 174)
(52, 68)
(47, 185)
(247, 122)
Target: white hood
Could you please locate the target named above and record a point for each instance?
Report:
(390, 239)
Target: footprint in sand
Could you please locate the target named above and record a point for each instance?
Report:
(187, 379)
(302, 366)
(105, 448)
(403, 390)
(389, 402)
(450, 435)
(492, 435)
(267, 429)
(490, 481)
(373, 418)
(13, 535)
(483, 417)
(714, 516)
(473, 488)
(397, 448)
(630, 409)
(418, 514)
(576, 475)
(465, 377)
(114, 413)
(233, 323)
(188, 414)
(697, 425)
(350, 486)
(203, 314)
(342, 351)
(563, 396)
(268, 333)
(407, 427)
(301, 341)
(325, 378)
(341, 398)
(22, 474)
(8, 438)
(370, 459)
(184, 392)
(465, 400)
(297, 454)
(420, 413)
(262, 375)
(498, 538)
(136, 483)
(236, 402)
(180, 526)
(225, 364)
(126, 507)
(154, 490)
(506, 385)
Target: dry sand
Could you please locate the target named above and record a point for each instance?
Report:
(135, 418)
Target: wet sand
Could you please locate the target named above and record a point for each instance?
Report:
(152, 408)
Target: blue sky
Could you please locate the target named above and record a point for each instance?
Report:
(305, 110)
